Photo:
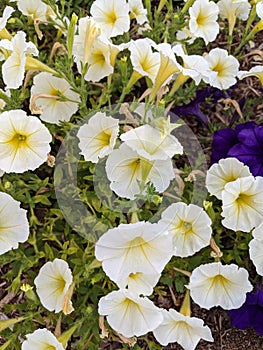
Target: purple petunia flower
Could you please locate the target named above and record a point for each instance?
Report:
(244, 143)
(193, 108)
(250, 314)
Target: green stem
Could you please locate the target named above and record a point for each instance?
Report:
(188, 4)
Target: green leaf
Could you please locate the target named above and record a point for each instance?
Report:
(64, 338)
(6, 344)
(8, 323)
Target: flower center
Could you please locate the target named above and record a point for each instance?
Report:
(112, 17)
(18, 140)
(104, 138)
(98, 57)
(243, 199)
(59, 284)
(201, 19)
(135, 276)
(137, 242)
(185, 227)
(219, 68)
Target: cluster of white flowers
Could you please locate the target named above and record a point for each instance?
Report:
(144, 156)
(242, 202)
(133, 255)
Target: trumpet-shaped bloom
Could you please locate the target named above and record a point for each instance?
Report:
(203, 20)
(35, 9)
(57, 103)
(215, 284)
(112, 16)
(139, 282)
(41, 339)
(151, 143)
(99, 60)
(127, 171)
(256, 254)
(233, 9)
(129, 314)
(88, 31)
(190, 227)
(24, 142)
(13, 69)
(14, 227)
(144, 60)
(98, 136)
(226, 66)
(227, 170)
(52, 285)
(8, 10)
(256, 71)
(243, 203)
(194, 66)
(137, 11)
(256, 248)
(131, 248)
(168, 66)
(186, 331)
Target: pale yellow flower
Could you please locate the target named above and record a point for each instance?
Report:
(53, 284)
(24, 142)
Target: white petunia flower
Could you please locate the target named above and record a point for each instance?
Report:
(203, 20)
(226, 66)
(151, 143)
(232, 9)
(41, 339)
(140, 282)
(24, 142)
(243, 203)
(194, 66)
(99, 61)
(35, 9)
(256, 254)
(223, 172)
(190, 227)
(129, 314)
(138, 11)
(131, 248)
(88, 31)
(52, 285)
(126, 171)
(215, 284)
(143, 59)
(186, 331)
(257, 233)
(8, 10)
(53, 98)
(256, 71)
(112, 16)
(168, 66)
(13, 69)
(259, 9)
(98, 136)
(256, 248)
(14, 227)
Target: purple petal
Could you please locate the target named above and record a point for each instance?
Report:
(223, 140)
